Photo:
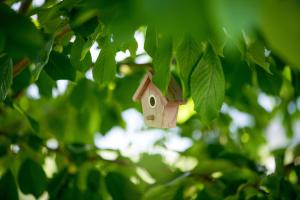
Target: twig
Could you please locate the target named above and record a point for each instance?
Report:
(20, 66)
(24, 6)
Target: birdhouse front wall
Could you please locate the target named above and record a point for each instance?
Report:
(153, 106)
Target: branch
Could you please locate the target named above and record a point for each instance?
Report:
(20, 66)
(24, 6)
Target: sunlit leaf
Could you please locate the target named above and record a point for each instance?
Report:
(208, 86)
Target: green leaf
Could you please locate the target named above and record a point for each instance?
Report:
(187, 55)
(41, 59)
(22, 38)
(151, 42)
(76, 50)
(121, 188)
(8, 187)
(21, 81)
(58, 183)
(86, 48)
(59, 67)
(170, 191)
(208, 86)
(270, 83)
(105, 67)
(256, 54)
(91, 195)
(281, 27)
(6, 76)
(161, 63)
(156, 167)
(45, 84)
(93, 180)
(32, 178)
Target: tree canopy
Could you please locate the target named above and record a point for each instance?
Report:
(238, 63)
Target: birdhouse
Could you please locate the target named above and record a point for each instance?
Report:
(159, 111)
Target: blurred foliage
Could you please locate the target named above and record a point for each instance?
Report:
(227, 55)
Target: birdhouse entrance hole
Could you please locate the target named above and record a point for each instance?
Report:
(152, 101)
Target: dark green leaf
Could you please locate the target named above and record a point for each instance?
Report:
(269, 83)
(22, 38)
(8, 187)
(93, 180)
(41, 59)
(208, 86)
(21, 81)
(121, 188)
(32, 178)
(58, 183)
(76, 50)
(45, 84)
(59, 67)
(6, 76)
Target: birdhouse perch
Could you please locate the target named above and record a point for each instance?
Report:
(159, 111)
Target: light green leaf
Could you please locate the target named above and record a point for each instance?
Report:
(281, 26)
(161, 63)
(156, 167)
(32, 178)
(208, 86)
(105, 67)
(6, 76)
(187, 55)
(8, 188)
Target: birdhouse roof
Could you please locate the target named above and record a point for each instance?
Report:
(174, 93)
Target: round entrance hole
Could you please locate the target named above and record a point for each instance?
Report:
(152, 101)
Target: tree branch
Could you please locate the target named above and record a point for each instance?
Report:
(20, 66)
(24, 6)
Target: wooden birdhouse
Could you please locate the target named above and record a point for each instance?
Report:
(159, 111)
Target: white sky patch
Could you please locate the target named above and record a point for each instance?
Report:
(298, 103)
(240, 119)
(37, 3)
(292, 107)
(120, 55)
(34, 17)
(143, 59)
(134, 120)
(89, 75)
(16, 6)
(140, 39)
(114, 139)
(61, 88)
(95, 51)
(275, 134)
(135, 140)
(267, 102)
(33, 92)
(52, 143)
(177, 143)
